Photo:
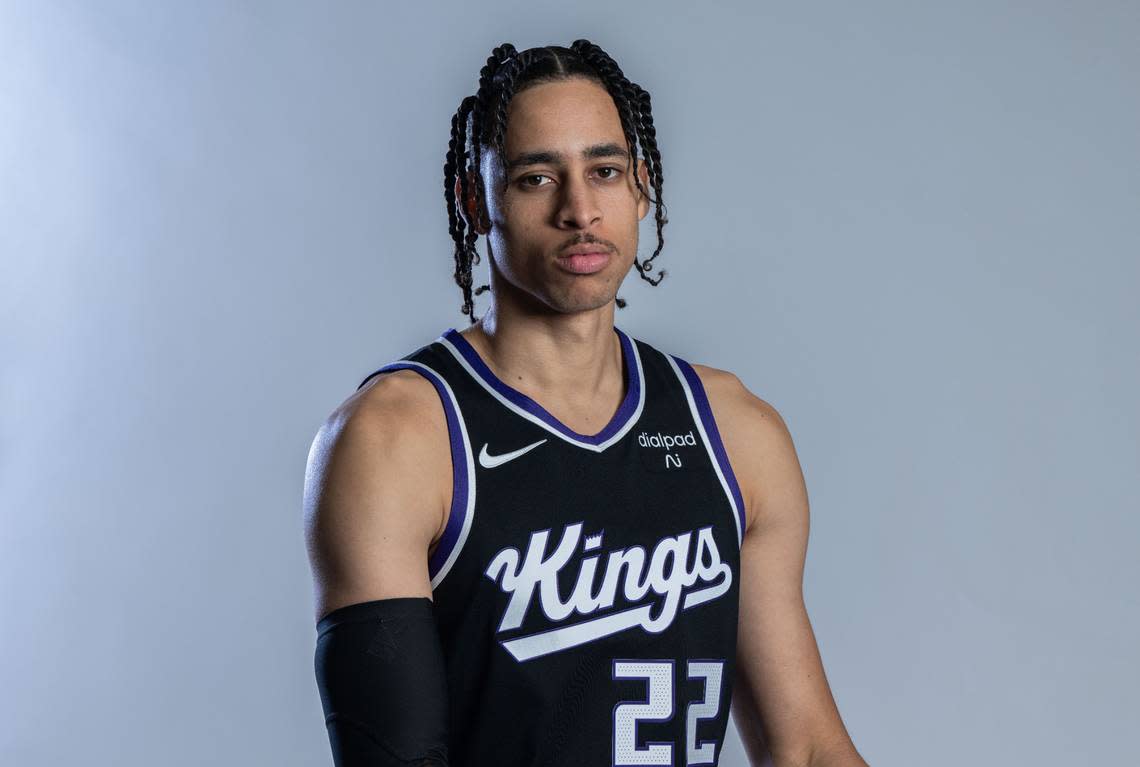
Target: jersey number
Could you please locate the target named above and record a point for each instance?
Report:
(658, 707)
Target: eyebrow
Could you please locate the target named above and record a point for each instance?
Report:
(547, 156)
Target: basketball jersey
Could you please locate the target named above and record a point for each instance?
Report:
(585, 586)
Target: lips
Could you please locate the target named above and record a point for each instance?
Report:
(584, 263)
(586, 247)
(584, 259)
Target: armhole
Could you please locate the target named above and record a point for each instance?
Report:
(462, 510)
(703, 417)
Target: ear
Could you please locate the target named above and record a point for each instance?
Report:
(478, 223)
(642, 200)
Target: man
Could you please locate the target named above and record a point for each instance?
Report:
(540, 541)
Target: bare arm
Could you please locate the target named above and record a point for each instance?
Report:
(377, 490)
(782, 704)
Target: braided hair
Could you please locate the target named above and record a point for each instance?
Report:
(481, 121)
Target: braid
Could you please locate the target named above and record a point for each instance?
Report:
(457, 158)
(481, 120)
(656, 177)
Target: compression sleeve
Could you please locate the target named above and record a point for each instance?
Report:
(381, 675)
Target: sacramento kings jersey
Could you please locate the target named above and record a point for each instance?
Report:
(585, 586)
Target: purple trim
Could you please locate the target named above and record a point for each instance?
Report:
(459, 484)
(516, 397)
(707, 419)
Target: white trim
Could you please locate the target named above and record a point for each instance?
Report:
(630, 421)
(708, 445)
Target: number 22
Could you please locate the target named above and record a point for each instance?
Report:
(658, 707)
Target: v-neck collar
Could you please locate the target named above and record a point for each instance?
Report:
(626, 415)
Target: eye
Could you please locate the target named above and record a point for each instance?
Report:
(525, 180)
(614, 172)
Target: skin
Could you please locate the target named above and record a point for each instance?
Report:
(374, 512)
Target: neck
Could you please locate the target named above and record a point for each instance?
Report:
(571, 363)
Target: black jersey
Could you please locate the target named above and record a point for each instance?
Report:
(586, 586)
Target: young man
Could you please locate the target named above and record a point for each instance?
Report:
(540, 541)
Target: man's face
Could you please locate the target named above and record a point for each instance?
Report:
(568, 183)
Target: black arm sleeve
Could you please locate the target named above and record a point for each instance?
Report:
(380, 671)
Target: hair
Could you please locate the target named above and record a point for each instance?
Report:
(481, 121)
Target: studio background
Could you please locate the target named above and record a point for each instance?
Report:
(912, 228)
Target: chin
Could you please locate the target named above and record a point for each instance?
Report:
(580, 302)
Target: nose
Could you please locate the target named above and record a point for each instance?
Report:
(578, 206)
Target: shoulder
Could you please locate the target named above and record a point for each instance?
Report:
(756, 438)
(398, 407)
(392, 423)
(728, 391)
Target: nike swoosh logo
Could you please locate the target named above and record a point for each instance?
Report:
(488, 461)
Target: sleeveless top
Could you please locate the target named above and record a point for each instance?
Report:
(586, 586)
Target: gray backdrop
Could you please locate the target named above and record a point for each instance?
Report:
(913, 228)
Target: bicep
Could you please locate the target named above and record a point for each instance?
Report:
(373, 496)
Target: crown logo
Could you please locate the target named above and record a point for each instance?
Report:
(592, 541)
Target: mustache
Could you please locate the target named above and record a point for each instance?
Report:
(588, 239)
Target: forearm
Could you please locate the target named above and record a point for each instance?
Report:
(380, 672)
